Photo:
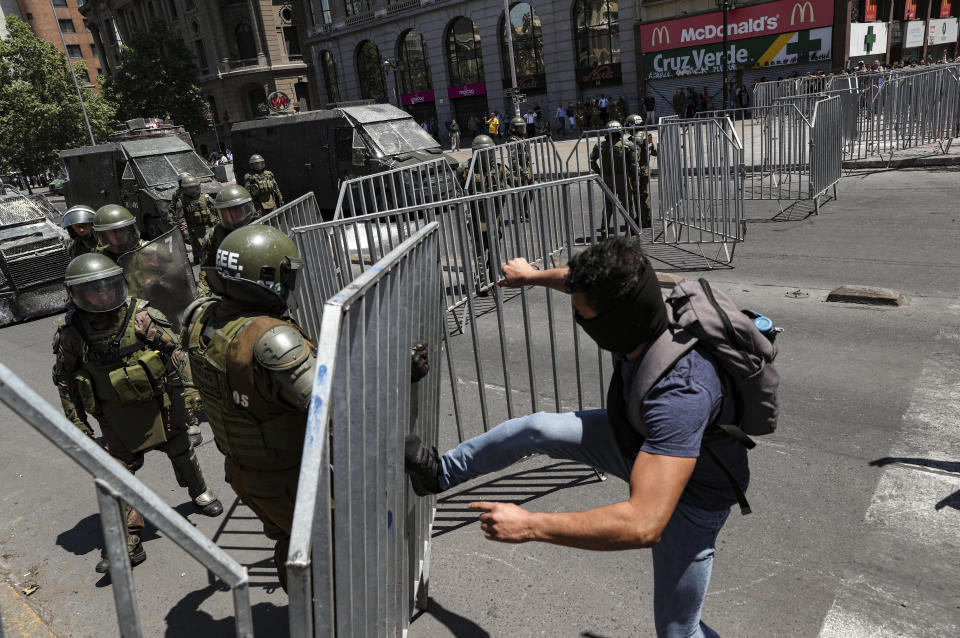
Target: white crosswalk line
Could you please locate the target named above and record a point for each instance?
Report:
(912, 526)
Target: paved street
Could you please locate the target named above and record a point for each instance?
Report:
(856, 497)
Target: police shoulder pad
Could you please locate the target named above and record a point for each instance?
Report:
(280, 346)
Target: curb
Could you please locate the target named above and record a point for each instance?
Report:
(907, 162)
(18, 618)
(669, 280)
(866, 295)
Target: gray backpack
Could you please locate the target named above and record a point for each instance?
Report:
(699, 314)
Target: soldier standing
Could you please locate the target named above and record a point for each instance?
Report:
(78, 220)
(615, 160)
(235, 208)
(645, 149)
(194, 214)
(117, 233)
(262, 186)
(254, 367)
(118, 360)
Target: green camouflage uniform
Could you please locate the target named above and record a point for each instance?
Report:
(208, 255)
(194, 217)
(618, 167)
(125, 367)
(486, 182)
(81, 246)
(265, 191)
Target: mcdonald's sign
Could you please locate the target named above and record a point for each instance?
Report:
(910, 10)
(870, 11)
(800, 10)
(660, 35)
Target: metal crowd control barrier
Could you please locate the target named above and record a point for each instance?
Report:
(299, 212)
(424, 183)
(701, 190)
(116, 486)
(352, 484)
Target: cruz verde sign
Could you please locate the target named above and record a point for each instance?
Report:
(767, 51)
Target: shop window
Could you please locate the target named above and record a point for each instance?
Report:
(331, 79)
(373, 85)
(527, 48)
(414, 63)
(463, 52)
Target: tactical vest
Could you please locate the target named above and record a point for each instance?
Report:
(197, 212)
(246, 424)
(122, 381)
(263, 185)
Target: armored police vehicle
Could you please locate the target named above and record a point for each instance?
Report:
(316, 150)
(137, 168)
(33, 257)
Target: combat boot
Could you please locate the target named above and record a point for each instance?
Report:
(137, 556)
(423, 466)
(208, 504)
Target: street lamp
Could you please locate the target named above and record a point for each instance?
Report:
(393, 65)
(83, 107)
(725, 6)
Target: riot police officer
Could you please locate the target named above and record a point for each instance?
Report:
(263, 187)
(518, 129)
(194, 214)
(116, 230)
(78, 220)
(645, 148)
(254, 368)
(235, 208)
(118, 361)
(615, 160)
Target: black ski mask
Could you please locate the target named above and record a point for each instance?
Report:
(639, 316)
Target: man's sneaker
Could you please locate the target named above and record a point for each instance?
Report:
(208, 504)
(137, 556)
(423, 466)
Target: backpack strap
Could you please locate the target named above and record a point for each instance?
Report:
(734, 483)
(658, 360)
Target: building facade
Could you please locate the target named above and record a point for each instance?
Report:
(448, 59)
(899, 30)
(245, 51)
(47, 23)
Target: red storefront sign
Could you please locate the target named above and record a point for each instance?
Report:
(782, 16)
(945, 8)
(420, 97)
(910, 10)
(870, 11)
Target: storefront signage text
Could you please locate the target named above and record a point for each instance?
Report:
(467, 90)
(420, 97)
(942, 31)
(770, 51)
(769, 18)
(600, 74)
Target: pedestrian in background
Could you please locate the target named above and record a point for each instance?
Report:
(561, 119)
(454, 136)
(650, 104)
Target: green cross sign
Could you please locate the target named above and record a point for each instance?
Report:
(869, 39)
(804, 46)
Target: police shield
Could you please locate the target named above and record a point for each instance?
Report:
(160, 272)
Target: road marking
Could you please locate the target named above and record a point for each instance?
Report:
(18, 618)
(913, 518)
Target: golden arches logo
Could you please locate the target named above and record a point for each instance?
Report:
(802, 8)
(659, 35)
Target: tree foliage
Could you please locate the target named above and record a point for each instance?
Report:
(39, 110)
(156, 78)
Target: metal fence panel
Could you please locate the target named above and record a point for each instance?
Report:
(417, 185)
(364, 402)
(299, 212)
(115, 486)
(826, 152)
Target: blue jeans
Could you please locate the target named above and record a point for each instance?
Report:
(683, 558)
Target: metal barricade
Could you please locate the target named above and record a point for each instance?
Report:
(826, 152)
(424, 183)
(116, 486)
(299, 212)
(352, 484)
(701, 190)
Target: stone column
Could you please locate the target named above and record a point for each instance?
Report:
(262, 55)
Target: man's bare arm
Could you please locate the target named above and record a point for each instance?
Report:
(518, 273)
(656, 483)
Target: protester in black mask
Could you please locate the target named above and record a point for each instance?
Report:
(677, 503)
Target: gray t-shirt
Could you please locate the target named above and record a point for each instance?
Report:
(676, 412)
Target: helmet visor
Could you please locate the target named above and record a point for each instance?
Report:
(120, 239)
(236, 216)
(258, 165)
(82, 230)
(99, 295)
(191, 191)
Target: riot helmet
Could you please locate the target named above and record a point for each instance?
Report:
(257, 265)
(616, 129)
(180, 177)
(190, 186)
(482, 141)
(79, 219)
(235, 206)
(519, 126)
(116, 227)
(633, 120)
(256, 162)
(95, 283)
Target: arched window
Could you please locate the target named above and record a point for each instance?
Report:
(246, 46)
(331, 78)
(596, 32)
(527, 49)
(414, 64)
(373, 85)
(463, 52)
